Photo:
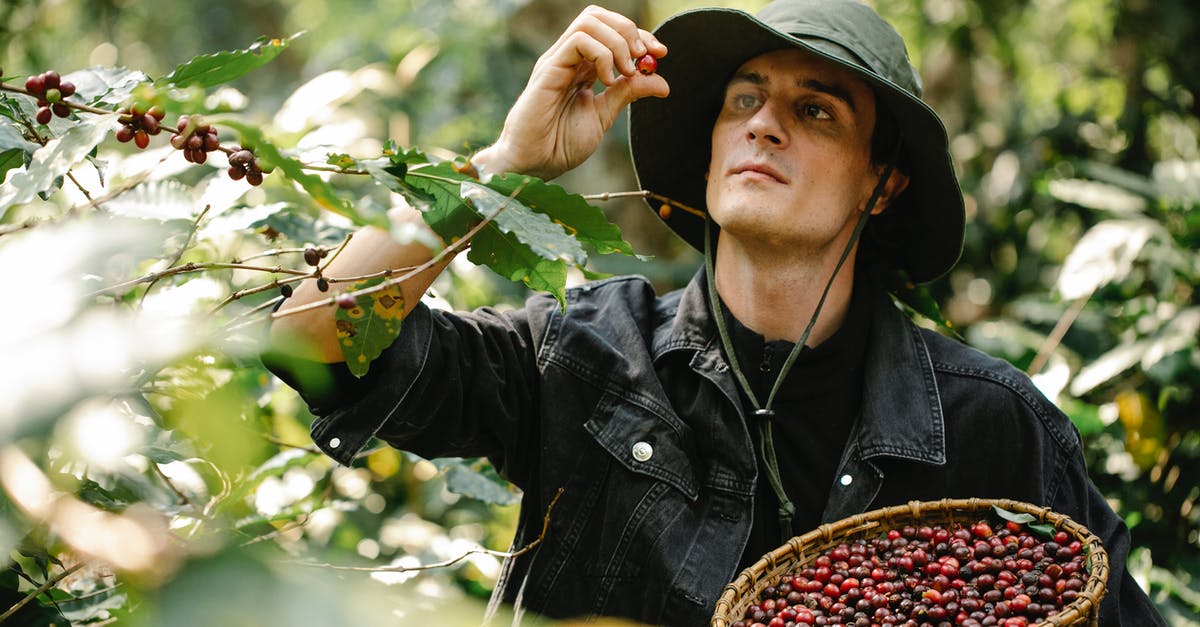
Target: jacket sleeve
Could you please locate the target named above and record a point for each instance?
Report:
(451, 384)
(1124, 601)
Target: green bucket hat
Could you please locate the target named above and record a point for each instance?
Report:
(921, 233)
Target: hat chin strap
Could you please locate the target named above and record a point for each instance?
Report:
(787, 509)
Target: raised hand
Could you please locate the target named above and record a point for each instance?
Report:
(559, 119)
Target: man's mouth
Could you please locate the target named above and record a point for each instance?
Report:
(757, 169)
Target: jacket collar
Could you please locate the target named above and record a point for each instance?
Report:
(901, 409)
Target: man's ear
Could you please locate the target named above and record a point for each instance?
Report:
(896, 184)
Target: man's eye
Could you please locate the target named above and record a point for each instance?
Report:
(744, 101)
(815, 111)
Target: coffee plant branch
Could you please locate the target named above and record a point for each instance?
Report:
(453, 248)
(187, 242)
(50, 583)
(452, 561)
(73, 105)
(645, 193)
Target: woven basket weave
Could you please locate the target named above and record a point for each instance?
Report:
(743, 591)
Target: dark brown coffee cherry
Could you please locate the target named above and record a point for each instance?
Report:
(285, 290)
(312, 256)
(322, 284)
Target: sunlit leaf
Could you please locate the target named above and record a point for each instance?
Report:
(320, 191)
(582, 220)
(1104, 254)
(213, 69)
(545, 238)
(156, 200)
(106, 85)
(370, 326)
(54, 160)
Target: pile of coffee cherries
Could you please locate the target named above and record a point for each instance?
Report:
(966, 575)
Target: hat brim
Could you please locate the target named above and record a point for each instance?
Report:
(670, 138)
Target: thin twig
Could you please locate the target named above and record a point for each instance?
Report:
(73, 105)
(50, 582)
(1057, 334)
(453, 248)
(645, 193)
(198, 267)
(179, 253)
(174, 488)
(450, 562)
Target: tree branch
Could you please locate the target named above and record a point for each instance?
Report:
(50, 583)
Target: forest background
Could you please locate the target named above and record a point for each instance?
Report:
(154, 473)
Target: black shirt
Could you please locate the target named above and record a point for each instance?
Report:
(814, 410)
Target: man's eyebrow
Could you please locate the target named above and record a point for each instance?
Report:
(835, 90)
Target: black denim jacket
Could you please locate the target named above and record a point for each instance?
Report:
(625, 402)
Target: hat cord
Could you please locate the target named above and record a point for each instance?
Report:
(787, 509)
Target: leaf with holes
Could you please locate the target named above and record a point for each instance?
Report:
(370, 326)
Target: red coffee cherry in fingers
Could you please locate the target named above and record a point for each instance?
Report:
(647, 64)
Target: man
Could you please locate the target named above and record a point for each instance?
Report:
(687, 433)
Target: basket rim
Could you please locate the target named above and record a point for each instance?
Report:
(801, 549)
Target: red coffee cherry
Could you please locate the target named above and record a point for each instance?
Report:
(647, 64)
(346, 301)
(43, 115)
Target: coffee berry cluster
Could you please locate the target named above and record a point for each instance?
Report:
(49, 89)
(959, 575)
(195, 140)
(243, 164)
(139, 124)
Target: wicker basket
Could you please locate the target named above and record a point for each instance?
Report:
(800, 550)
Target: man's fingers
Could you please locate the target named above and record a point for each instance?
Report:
(625, 90)
(583, 47)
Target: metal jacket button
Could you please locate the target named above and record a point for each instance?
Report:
(642, 451)
(846, 479)
(335, 442)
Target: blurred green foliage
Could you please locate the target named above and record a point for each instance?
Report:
(1074, 124)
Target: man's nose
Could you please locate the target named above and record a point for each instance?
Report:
(764, 126)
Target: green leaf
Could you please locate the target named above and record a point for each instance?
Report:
(318, 189)
(1022, 518)
(489, 488)
(545, 238)
(214, 69)
(54, 160)
(10, 159)
(1045, 530)
(513, 260)
(585, 221)
(106, 85)
(372, 325)
(11, 137)
(91, 492)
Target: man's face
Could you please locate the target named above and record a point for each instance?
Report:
(791, 152)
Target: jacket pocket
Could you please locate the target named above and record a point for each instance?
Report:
(646, 443)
